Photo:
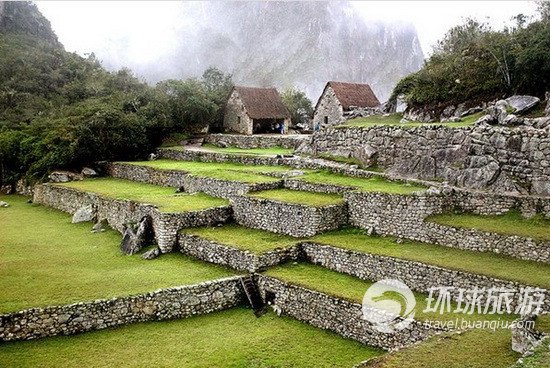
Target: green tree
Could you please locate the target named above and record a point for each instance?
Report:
(299, 106)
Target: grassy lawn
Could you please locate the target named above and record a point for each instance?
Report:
(299, 197)
(489, 264)
(373, 184)
(511, 223)
(166, 199)
(471, 349)
(353, 289)
(394, 119)
(256, 241)
(543, 323)
(46, 260)
(231, 338)
(218, 170)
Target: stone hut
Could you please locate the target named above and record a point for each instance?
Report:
(339, 99)
(252, 110)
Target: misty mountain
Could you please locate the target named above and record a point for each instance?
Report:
(24, 18)
(282, 44)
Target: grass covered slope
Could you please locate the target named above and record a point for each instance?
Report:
(489, 264)
(46, 260)
(472, 349)
(256, 241)
(218, 170)
(373, 184)
(299, 197)
(511, 223)
(166, 199)
(353, 289)
(231, 338)
(271, 151)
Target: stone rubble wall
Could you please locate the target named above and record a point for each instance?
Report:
(239, 259)
(497, 159)
(185, 181)
(416, 275)
(287, 218)
(172, 303)
(119, 213)
(405, 216)
(338, 315)
(525, 339)
(256, 141)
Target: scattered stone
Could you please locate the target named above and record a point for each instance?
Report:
(541, 123)
(88, 172)
(547, 109)
(151, 254)
(485, 119)
(84, 214)
(512, 120)
(223, 144)
(152, 157)
(404, 121)
(63, 176)
(134, 241)
(4, 204)
(522, 104)
(471, 111)
(100, 226)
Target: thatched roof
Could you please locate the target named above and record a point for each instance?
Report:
(353, 94)
(262, 103)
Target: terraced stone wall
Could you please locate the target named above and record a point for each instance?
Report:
(404, 216)
(256, 141)
(178, 302)
(238, 259)
(185, 181)
(340, 316)
(416, 275)
(287, 218)
(494, 158)
(119, 213)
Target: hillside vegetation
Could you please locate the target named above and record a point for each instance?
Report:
(474, 62)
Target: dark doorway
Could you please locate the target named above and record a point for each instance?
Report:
(267, 126)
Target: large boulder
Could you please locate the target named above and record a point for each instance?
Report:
(84, 214)
(88, 172)
(63, 176)
(134, 241)
(522, 104)
(151, 254)
(366, 154)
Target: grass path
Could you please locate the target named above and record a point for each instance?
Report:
(483, 263)
(511, 223)
(46, 260)
(299, 197)
(232, 338)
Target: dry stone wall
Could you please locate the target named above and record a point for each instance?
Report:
(405, 216)
(418, 276)
(287, 218)
(119, 213)
(235, 258)
(185, 181)
(256, 141)
(498, 159)
(340, 316)
(178, 302)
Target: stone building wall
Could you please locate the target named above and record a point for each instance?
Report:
(185, 181)
(328, 106)
(340, 316)
(119, 213)
(257, 141)
(239, 259)
(236, 118)
(416, 275)
(497, 159)
(177, 302)
(287, 218)
(405, 216)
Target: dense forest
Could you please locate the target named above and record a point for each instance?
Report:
(474, 62)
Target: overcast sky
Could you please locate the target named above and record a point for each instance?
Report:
(86, 26)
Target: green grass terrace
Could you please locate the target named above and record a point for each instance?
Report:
(372, 184)
(166, 199)
(299, 197)
(232, 338)
(240, 237)
(218, 170)
(511, 223)
(395, 120)
(46, 260)
(271, 151)
(481, 263)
